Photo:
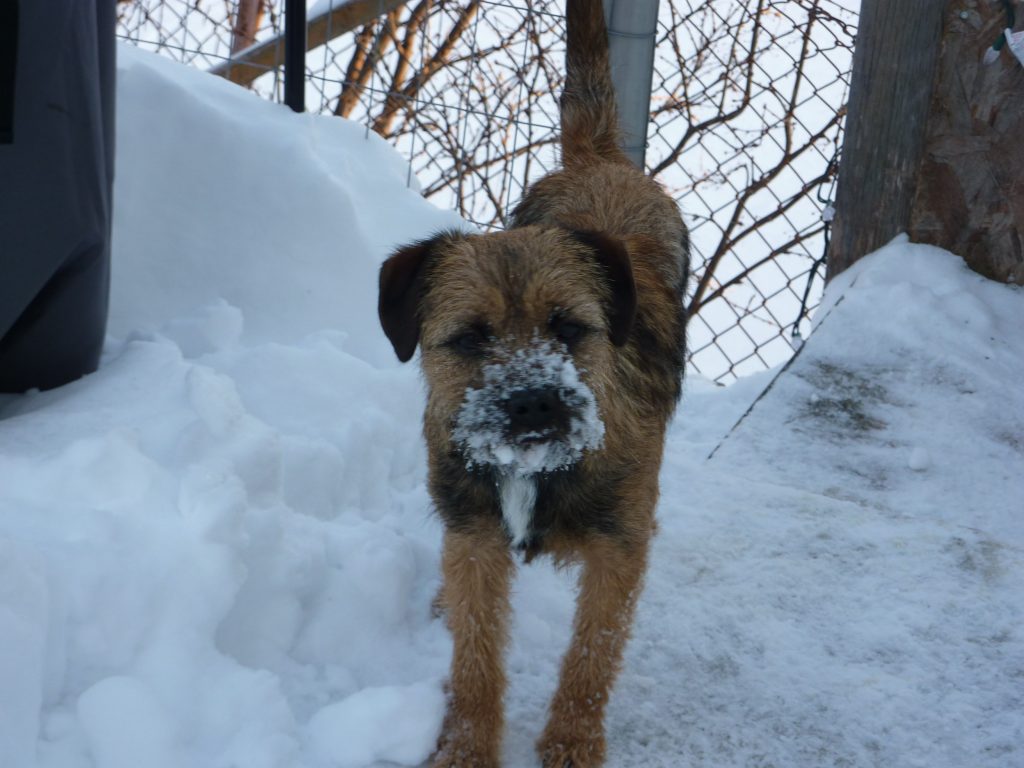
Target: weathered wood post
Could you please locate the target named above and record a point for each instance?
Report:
(935, 137)
(893, 68)
(970, 186)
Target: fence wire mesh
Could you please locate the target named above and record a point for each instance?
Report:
(747, 109)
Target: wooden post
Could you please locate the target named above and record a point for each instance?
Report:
(246, 24)
(894, 66)
(935, 138)
(970, 187)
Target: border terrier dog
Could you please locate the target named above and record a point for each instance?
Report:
(553, 356)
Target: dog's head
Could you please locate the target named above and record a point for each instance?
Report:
(517, 332)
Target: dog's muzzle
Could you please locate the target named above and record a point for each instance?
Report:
(532, 414)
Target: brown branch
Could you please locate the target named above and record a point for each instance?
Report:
(407, 94)
(246, 24)
(719, 292)
(489, 162)
(413, 26)
(727, 242)
(693, 130)
(369, 47)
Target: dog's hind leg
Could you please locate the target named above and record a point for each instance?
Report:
(610, 585)
(477, 570)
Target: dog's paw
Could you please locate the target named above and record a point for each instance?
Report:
(458, 749)
(454, 755)
(570, 751)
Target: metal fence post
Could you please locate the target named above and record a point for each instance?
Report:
(632, 30)
(295, 54)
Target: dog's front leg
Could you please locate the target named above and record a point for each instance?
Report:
(609, 587)
(477, 570)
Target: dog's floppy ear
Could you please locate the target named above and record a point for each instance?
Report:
(611, 254)
(401, 290)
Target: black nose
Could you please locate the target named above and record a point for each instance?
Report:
(533, 408)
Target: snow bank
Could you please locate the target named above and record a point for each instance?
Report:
(218, 550)
(851, 557)
(221, 197)
(219, 544)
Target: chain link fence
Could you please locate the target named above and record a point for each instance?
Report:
(747, 110)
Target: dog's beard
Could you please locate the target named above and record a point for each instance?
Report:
(482, 428)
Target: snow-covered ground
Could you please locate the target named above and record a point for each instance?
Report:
(218, 550)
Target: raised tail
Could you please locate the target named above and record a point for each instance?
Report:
(590, 120)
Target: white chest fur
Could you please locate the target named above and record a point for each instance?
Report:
(518, 494)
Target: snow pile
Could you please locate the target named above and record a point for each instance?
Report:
(851, 558)
(224, 201)
(218, 550)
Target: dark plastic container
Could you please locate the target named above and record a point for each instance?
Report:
(56, 175)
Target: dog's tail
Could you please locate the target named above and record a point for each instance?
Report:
(590, 120)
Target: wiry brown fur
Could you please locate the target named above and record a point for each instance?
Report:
(600, 244)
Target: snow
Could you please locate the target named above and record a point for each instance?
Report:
(218, 550)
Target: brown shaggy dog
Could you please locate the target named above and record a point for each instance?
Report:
(553, 353)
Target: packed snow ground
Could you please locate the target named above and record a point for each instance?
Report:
(218, 550)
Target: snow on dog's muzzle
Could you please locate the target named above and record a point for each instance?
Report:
(532, 414)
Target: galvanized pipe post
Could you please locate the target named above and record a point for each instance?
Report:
(632, 31)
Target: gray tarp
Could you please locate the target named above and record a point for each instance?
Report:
(56, 170)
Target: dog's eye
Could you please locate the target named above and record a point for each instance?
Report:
(568, 331)
(470, 343)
